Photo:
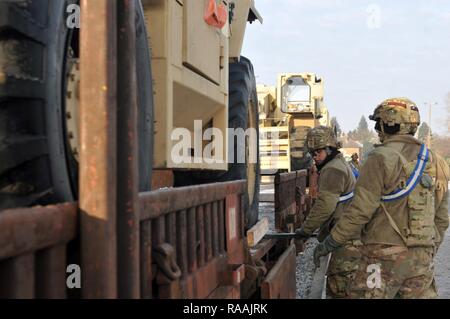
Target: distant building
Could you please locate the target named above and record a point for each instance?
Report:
(351, 147)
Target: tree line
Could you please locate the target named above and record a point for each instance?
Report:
(361, 134)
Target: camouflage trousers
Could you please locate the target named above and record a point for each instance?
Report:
(342, 268)
(388, 272)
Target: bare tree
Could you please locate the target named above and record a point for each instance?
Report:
(424, 131)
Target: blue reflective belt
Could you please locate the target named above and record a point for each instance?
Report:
(412, 180)
(346, 197)
(355, 172)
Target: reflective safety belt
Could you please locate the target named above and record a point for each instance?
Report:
(413, 179)
(346, 197)
(354, 171)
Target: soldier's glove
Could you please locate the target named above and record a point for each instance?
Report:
(300, 234)
(324, 248)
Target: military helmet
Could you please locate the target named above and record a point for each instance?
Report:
(322, 137)
(401, 111)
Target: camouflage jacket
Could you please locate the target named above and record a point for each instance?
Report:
(336, 178)
(381, 175)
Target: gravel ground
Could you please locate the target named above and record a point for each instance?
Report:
(442, 267)
(305, 262)
(305, 269)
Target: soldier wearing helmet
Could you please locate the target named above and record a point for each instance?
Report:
(397, 116)
(400, 209)
(336, 184)
(354, 164)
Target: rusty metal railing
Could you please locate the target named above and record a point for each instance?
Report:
(190, 239)
(33, 248)
(197, 230)
(291, 200)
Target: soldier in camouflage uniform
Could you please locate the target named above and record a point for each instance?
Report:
(355, 161)
(336, 184)
(400, 209)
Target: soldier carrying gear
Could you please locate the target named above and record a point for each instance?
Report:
(400, 208)
(336, 184)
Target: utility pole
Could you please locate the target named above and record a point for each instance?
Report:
(429, 121)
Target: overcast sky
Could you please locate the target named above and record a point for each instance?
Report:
(365, 51)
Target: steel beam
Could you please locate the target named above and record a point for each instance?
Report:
(98, 163)
(127, 154)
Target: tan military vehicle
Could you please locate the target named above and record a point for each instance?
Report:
(287, 112)
(193, 78)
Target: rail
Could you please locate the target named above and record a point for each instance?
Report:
(291, 200)
(33, 250)
(190, 239)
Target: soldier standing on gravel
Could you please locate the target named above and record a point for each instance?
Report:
(400, 207)
(336, 184)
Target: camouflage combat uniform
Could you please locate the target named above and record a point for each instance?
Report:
(335, 179)
(400, 236)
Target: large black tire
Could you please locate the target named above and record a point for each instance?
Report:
(35, 164)
(242, 113)
(145, 101)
